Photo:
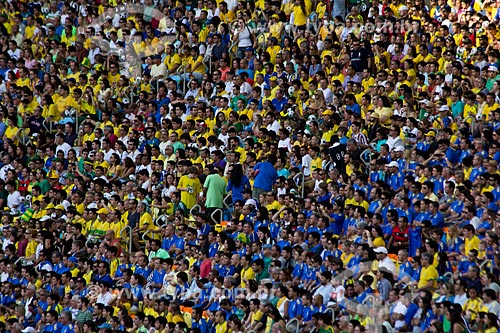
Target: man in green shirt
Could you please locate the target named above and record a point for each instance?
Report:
(260, 272)
(214, 190)
(156, 250)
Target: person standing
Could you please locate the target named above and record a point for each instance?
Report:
(265, 176)
(214, 190)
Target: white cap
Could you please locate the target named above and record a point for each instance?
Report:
(399, 148)
(424, 101)
(393, 164)
(444, 108)
(492, 68)
(380, 249)
(403, 8)
(29, 330)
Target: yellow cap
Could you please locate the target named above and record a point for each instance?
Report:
(102, 211)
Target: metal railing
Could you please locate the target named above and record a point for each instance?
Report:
(369, 298)
(472, 123)
(302, 181)
(51, 125)
(366, 160)
(128, 241)
(161, 218)
(145, 234)
(224, 201)
(332, 310)
(221, 216)
(484, 263)
(293, 325)
(195, 209)
(22, 136)
(449, 275)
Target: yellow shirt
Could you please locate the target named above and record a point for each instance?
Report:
(221, 328)
(300, 17)
(246, 274)
(189, 197)
(428, 274)
(171, 61)
(471, 244)
(31, 248)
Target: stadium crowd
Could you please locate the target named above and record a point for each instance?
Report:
(231, 166)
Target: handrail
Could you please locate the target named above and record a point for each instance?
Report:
(366, 162)
(129, 241)
(224, 201)
(231, 47)
(332, 310)
(302, 189)
(450, 274)
(369, 297)
(184, 82)
(293, 328)
(77, 110)
(472, 123)
(24, 138)
(162, 218)
(51, 124)
(145, 234)
(198, 209)
(221, 215)
(483, 264)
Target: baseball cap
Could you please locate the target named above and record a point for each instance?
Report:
(102, 211)
(431, 133)
(380, 249)
(393, 164)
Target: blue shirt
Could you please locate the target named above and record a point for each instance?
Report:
(202, 325)
(266, 176)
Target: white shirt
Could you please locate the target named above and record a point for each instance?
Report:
(275, 127)
(285, 144)
(13, 199)
(92, 54)
(325, 291)
(65, 147)
(460, 299)
(328, 94)
(394, 142)
(105, 299)
(107, 155)
(306, 164)
(400, 308)
(387, 263)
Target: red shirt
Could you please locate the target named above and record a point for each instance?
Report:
(205, 268)
(400, 235)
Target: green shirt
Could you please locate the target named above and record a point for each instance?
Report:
(44, 186)
(161, 253)
(216, 190)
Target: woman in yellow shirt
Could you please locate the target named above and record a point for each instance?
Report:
(378, 237)
(49, 109)
(30, 252)
(11, 131)
(299, 14)
(115, 167)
